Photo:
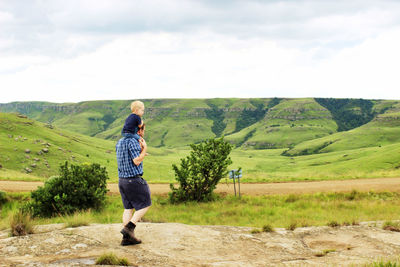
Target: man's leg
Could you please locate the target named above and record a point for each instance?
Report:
(138, 215)
(130, 225)
(127, 216)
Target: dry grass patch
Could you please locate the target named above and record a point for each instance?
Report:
(21, 224)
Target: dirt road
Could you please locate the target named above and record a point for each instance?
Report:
(378, 184)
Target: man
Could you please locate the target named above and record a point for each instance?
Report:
(135, 192)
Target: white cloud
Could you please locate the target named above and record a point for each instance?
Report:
(86, 50)
(209, 65)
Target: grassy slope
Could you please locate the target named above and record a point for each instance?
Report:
(355, 153)
(287, 124)
(18, 134)
(179, 122)
(383, 130)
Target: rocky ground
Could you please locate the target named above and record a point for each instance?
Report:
(172, 244)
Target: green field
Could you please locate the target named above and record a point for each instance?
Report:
(276, 211)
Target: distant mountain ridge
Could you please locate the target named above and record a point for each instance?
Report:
(259, 123)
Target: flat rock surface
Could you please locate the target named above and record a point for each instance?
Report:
(173, 244)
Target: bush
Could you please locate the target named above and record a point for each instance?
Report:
(201, 171)
(3, 198)
(21, 224)
(76, 188)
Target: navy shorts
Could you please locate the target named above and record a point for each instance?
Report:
(135, 193)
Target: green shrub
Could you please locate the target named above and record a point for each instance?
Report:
(3, 198)
(111, 259)
(21, 224)
(201, 171)
(76, 188)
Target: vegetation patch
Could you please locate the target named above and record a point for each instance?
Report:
(391, 226)
(217, 116)
(78, 219)
(268, 228)
(3, 198)
(21, 224)
(201, 171)
(292, 226)
(110, 258)
(333, 224)
(348, 113)
(77, 188)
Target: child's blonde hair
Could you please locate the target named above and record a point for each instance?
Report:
(135, 105)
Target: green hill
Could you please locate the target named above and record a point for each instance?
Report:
(33, 150)
(179, 122)
(288, 123)
(372, 150)
(304, 126)
(384, 129)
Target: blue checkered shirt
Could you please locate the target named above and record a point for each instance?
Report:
(127, 149)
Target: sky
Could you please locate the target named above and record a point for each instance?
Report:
(80, 50)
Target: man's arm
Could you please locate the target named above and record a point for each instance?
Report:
(140, 158)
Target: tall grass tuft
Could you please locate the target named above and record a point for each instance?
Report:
(268, 228)
(78, 219)
(333, 224)
(21, 224)
(292, 226)
(112, 259)
(391, 226)
(382, 263)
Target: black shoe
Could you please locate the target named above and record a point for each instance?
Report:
(128, 234)
(129, 241)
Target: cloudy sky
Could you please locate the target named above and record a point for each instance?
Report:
(71, 51)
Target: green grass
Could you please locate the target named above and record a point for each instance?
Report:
(384, 263)
(110, 258)
(391, 226)
(370, 151)
(19, 134)
(255, 211)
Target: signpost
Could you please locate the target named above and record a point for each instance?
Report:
(235, 174)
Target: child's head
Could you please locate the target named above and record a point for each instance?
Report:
(137, 107)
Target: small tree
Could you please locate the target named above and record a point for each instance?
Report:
(201, 171)
(77, 188)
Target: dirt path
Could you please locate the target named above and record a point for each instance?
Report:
(173, 244)
(378, 184)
